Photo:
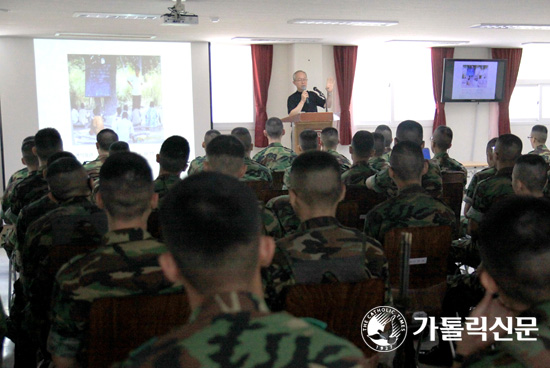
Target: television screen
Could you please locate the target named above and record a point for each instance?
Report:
(473, 80)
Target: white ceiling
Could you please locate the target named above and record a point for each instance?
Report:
(418, 19)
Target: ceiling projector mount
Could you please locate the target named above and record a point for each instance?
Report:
(179, 17)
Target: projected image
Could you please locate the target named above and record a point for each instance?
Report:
(474, 76)
(120, 92)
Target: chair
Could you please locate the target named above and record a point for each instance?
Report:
(119, 325)
(453, 191)
(366, 199)
(268, 194)
(347, 214)
(278, 177)
(258, 186)
(341, 305)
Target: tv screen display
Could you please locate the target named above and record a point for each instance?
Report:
(473, 80)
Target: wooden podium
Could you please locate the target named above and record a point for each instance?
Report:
(309, 120)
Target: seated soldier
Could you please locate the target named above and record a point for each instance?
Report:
(125, 264)
(529, 176)
(481, 175)
(307, 141)
(119, 146)
(254, 170)
(321, 250)
(442, 140)
(514, 250)
(196, 165)
(104, 138)
(409, 131)
(329, 143)
(537, 139)
(225, 154)
(387, 133)
(275, 157)
(380, 159)
(361, 150)
(413, 206)
(172, 159)
(231, 324)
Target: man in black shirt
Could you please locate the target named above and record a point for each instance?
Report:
(307, 101)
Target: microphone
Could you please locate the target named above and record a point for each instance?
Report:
(307, 99)
(319, 92)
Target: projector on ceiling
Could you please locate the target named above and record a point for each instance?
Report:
(179, 17)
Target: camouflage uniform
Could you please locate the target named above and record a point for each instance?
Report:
(490, 190)
(163, 183)
(519, 353)
(93, 167)
(8, 193)
(256, 171)
(358, 173)
(321, 251)
(380, 162)
(28, 190)
(275, 157)
(236, 329)
(413, 207)
(342, 160)
(431, 182)
(447, 163)
(476, 179)
(286, 178)
(543, 151)
(283, 214)
(196, 166)
(127, 264)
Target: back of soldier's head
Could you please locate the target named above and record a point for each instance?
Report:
(47, 141)
(508, 148)
(443, 137)
(119, 146)
(26, 151)
(531, 170)
(315, 178)
(274, 128)
(58, 155)
(407, 161)
(67, 178)
(244, 136)
(515, 247)
(225, 154)
(540, 133)
(105, 138)
(126, 185)
(174, 154)
(409, 131)
(309, 141)
(363, 143)
(209, 135)
(211, 225)
(386, 132)
(329, 137)
(379, 144)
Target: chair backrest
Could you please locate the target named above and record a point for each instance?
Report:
(258, 186)
(347, 214)
(119, 325)
(453, 191)
(366, 199)
(341, 305)
(278, 177)
(268, 194)
(429, 255)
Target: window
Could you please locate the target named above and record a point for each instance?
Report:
(232, 84)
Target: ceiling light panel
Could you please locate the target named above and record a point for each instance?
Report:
(344, 22)
(430, 42)
(104, 36)
(276, 40)
(522, 27)
(115, 16)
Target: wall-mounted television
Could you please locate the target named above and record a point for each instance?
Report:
(470, 80)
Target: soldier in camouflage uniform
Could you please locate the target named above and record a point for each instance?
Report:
(225, 154)
(413, 206)
(442, 140)
(172, 159)
(329, 143)
(254, 170)
(480, 175)
(516, 285)
(380, 160)
(197, 165)
(308, 141)
(104, 138)
(387, 133)
(230, 324)
(321, 250)
(537, 138)
(410, 131)
(126, 264)
(361, 150)
(275, 157)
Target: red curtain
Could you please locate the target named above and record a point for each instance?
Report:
(262, 60)
(345, 60)
(514, 59)
(438, 54)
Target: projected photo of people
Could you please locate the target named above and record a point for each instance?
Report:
(474, 76)
(120, 92)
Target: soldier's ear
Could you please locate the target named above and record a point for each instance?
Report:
(206, 165)
(488, 282)
(242, 171)
(99, 201)
(266, 250)
(154, 200)
(169, 267)
(34, 151)
(158, 158)
(265, 134)
(350, 150)
(425, 169)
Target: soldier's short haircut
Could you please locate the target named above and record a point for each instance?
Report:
(309, 140)
(67, 178)
(491, 145)
(244, 136)
(411, 131)
(105, 138)
(209, 135)
(174, 154)
(329, 137)
(119, 146)
(57, 156)
(225, 154)
(126, 185)
(47, 141)
(443, 137)
(26, 151)
(386, 132)
(407, 160)
(363, 143)
(274, 128)
(508, 147)
(540, 133)
(531, 170)
(379, 144)
(515, 246)
(211, 225)
(315, 177)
